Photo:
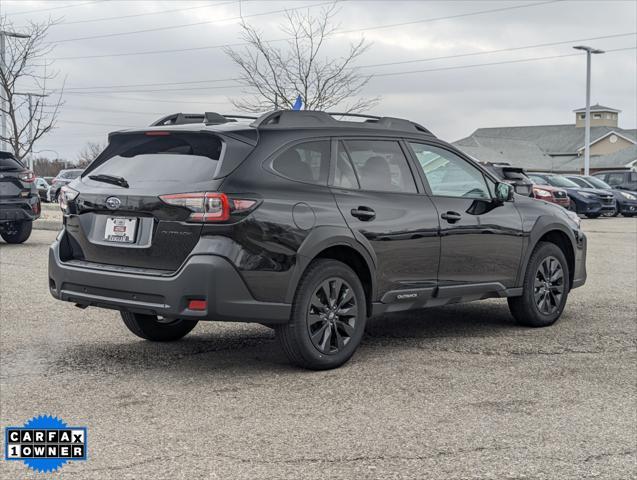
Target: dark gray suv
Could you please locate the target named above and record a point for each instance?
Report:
(307, 224)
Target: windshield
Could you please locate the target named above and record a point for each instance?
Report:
(560, 181)
(70, 174)
(596, 182)
(538, 180)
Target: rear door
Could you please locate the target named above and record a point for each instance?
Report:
(481, 240)
(130, 225)
(388, 212)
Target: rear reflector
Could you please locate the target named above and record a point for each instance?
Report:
(154, 133)
(197, 305)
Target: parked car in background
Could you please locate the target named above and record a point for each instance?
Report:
(622, 179)
(63, 178)
(305, 223)
(551, 194)
(590, 202)
(626, 200)
(44, 189)
(19, 199)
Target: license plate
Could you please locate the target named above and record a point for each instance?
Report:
(120, 229)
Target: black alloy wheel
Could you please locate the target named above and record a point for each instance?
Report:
(549, 286)
(331, 316)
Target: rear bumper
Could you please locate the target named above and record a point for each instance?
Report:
(19, 209)
(202, 277)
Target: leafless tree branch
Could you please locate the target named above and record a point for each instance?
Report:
(273, 77)
(27, 70)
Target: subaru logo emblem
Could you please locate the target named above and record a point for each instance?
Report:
(113, 203)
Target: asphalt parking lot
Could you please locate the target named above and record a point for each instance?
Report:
(458, 392)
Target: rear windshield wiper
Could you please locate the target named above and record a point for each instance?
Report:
(121, 181)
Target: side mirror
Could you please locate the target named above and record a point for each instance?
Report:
(503, 192)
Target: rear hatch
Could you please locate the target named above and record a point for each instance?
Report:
(118, 217)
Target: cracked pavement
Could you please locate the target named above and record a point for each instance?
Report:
(457, 392)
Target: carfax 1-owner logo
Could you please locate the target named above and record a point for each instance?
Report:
(45, 443)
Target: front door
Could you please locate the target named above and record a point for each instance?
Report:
(378, 196)
(481, 239)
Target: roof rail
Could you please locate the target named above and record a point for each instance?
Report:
(209, 118)
(316, 118)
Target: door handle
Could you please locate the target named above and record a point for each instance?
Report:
(364, 214)
(451, 217)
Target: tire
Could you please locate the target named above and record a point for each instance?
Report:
(528, 309)
(17, 232)
(593, 215)
(337, 331)
(149, 327)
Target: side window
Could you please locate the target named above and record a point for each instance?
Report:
(306, 162)
(448, 174)
(380, 165)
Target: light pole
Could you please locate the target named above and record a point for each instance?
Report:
(587, 120)
(3, 95)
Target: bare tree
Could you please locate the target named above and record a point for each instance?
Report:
(29, 106)
(89, 153)
(279, 75)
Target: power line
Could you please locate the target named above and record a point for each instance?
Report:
(137, 99)
(499, 50)
(375, 75)
(483, 52)
(184, 25)
(210, 47)
(491, 63)
(38, 10)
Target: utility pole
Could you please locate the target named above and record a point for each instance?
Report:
(3, 95)
(30, 96)
(587, 120)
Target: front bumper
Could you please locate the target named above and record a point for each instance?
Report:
(628, 206)
(202, 277)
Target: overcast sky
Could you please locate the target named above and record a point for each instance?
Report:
(450, 101)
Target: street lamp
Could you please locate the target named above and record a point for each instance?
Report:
(3, 35)
(587, 120)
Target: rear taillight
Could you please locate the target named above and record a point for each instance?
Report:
(27, 176)
(66, 195)
(37, 208)
(208, 206)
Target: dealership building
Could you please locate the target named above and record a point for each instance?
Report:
(557, 148)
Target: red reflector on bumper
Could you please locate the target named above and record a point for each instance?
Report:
(197, 305)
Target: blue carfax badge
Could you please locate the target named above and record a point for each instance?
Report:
(45, 443)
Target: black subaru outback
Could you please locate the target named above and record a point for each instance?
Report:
(305, 223)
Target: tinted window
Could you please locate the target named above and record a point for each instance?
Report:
(344, 174)
(379, 165)
(448, 174)
(306, 162)
(579, 181)
(560, 181)
(597, 183)
(178, 157)
(538, 180)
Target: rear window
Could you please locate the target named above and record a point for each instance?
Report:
(10, 163)
(178, 157)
